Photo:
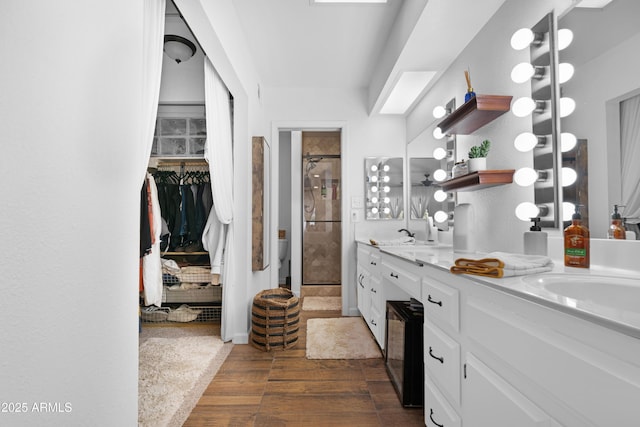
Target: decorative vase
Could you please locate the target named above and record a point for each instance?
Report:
(477, 164)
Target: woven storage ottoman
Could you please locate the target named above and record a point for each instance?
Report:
(275, 319)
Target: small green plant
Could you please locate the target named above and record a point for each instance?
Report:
(481, 150)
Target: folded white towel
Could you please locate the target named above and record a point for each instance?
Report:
(519, 264)
(394, 242)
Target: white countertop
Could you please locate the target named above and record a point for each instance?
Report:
(609, 309)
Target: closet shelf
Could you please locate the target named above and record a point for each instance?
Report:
(479, 180)
(475, 113)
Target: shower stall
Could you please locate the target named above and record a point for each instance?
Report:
(321, 211)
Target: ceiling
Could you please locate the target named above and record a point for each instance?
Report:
(297, 43)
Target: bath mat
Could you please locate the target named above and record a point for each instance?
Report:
(173, 373)
(322, 303)
(340, 338)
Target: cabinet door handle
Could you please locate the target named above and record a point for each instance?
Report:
(373, 322)
(395, 276)
(440, 359)
(360, 280)
(374, 290)
(434, 301)
(434, 421)
(373, 263)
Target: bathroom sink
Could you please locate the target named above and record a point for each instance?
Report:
(614, 292)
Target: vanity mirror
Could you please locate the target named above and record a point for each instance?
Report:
(423, 187)
(384, 188)
(606, 90)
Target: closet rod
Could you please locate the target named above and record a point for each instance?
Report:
(186, 163)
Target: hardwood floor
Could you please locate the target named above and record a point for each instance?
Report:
(256, 388)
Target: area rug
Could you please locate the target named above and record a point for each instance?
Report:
(322, 303)
(340, 338)
(173, 373)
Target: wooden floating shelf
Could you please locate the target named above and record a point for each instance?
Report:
(479, 180)
(475, 113)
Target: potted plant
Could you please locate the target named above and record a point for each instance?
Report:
(478, 156)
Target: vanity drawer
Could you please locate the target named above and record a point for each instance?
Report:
(399, 275)
(441, 303)
(437, 412)
(442, 360)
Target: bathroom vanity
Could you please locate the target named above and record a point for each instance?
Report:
(517, 351)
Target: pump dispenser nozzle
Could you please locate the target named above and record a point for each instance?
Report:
(616, 229)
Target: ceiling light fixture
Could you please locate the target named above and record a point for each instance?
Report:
(406, 90)
(178, 48)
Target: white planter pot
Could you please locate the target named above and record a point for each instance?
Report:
(477, 164)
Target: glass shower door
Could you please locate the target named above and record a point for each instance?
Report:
(322, 226)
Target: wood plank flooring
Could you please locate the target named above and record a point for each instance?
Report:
(283, 388)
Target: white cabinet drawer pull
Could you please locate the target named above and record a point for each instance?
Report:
(395, 276)
(440, 359)
(434, 421)
(434, 301)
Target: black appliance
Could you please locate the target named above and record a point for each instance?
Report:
(404, 350)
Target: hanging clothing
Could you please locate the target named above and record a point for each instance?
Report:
(145, 226)
(151, 264)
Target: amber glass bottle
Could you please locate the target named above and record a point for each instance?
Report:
(616, 229)
(576, 243)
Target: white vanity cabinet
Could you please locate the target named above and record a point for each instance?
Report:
(372, 292)
(522, 363)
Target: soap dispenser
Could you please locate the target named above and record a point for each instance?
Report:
(576, 242)
(535, 240)
(616, 229)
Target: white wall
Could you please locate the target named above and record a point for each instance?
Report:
(490, 59)
(70, 109)
(364, 136)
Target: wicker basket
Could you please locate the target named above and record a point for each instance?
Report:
(275, 319)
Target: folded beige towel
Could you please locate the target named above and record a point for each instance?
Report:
(503, 264)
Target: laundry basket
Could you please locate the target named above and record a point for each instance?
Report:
(275, 319)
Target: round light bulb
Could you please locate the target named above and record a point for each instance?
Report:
(524, 177)
(387, 200)
(441, 216)
(386, 178)
(569, 177)
(374, 210)
(439, 111)
(524, 106)
(374, 189)
(385, 168)
(386, 189)
(374, 168)
(565, 37)
(522, 38)
(526, 210)
(437, 133)
(374, 200)
(522, 72)
(440, 196)
(526, 141)
(567, 141)
(567, 106)
(374, 178)
(439, 153)
(440, 175)
(565, 71)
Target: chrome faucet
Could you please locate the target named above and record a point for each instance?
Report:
(410, 234)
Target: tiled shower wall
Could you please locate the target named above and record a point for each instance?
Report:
(322, 233)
